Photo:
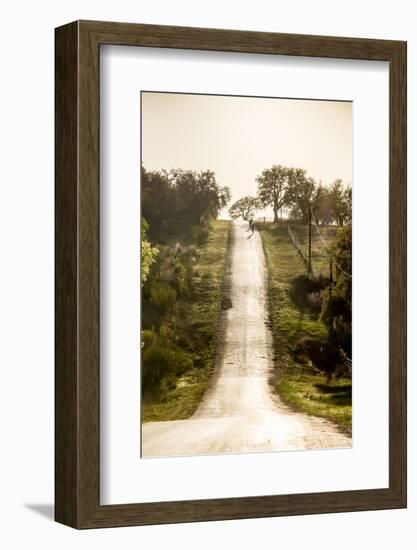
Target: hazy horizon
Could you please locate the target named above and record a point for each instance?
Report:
(238, 137)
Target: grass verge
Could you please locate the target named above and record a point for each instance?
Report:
(313, 395)
(309, 393)
(288, 320)
(178, 400)
(319, 255)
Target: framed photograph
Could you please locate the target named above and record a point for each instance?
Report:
(230, 274)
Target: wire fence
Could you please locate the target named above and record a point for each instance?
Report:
(328, 248)
(297, 245)
(346, 361)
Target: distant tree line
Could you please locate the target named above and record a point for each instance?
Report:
(292, 189)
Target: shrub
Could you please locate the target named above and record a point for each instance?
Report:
(314, 301)
(175, 267)
(149, 253)
(149, 338)
(163, 296)
(306, 292)
(337, 309)
(324, 355)
(159, 364)
(166, 336)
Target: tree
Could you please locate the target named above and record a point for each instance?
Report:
(341, 201)
(273, 187)
(148, 252)
(157, 197)
(176, 200)
(303, 193)
(198, 196)
(335, 204)
(244, 208)
(325, 214)
(348, 204)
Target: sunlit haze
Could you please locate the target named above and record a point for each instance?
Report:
(238, 137)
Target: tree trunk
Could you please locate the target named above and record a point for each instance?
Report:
(275, 214)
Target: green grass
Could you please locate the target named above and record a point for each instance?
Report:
(313, 395)
(290, 321)
(180, 399)
(319, 255)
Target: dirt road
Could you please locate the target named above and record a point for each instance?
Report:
(240, 412)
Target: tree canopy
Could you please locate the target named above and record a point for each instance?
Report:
(244, 208)
(273, 187)
(304, 194)
(176, 200)
(292, 188)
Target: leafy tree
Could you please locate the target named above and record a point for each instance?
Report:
(273, 188)
(341, 201)
(244, 208)
(198, 197)
(335, 205)
(303, 193)
(325, 214)
(157, 198)
(174, 201)
(348, 204)
(148, 252)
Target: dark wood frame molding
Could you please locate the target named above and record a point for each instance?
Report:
(77, 361)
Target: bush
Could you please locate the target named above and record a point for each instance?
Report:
(163, 296)
(324, 355)
(149, 338)
(306, 292)
(175, 266)
(337, 309)
(159, 364)
(314, 301)
(149, 253)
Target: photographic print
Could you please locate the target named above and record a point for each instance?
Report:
(203, 274)
(246, 274)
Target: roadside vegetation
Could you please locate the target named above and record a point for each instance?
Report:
(184, 249)
(184, 253)
(310, 295)
(314, 395)
(309, 357)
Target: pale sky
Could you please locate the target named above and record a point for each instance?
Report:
(238, 137)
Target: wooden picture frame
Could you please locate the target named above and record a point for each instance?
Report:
(77, 374)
